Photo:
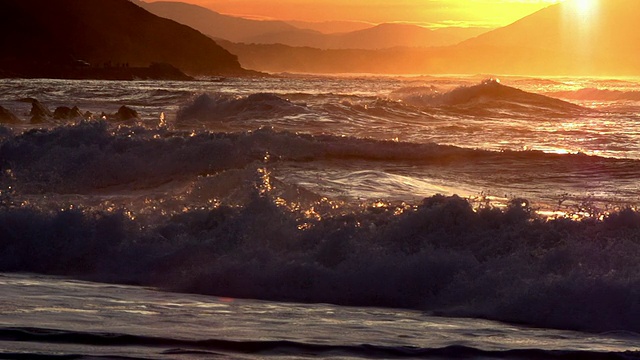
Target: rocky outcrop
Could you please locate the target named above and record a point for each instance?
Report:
(67, 113)
(125, 113)
(39, 113)
(7, 117)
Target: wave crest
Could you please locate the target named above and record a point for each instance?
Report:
(92, 155)
(487, 93)
(222, 107)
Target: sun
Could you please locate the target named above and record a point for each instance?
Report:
(585, 12)
(584, 7)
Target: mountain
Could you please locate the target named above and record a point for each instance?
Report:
(573, 37)
(382, 36)
(60, 38)
(331, 27)
(568, 38)
(214, 24)
(284, 58)
(248, 31)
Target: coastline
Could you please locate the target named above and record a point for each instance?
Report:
(155, 71)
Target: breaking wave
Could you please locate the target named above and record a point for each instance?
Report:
(223, 107)
(283, 242)
(488, 93)
(440, 256)
(89, 156)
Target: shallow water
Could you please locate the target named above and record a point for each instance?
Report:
(57, 317)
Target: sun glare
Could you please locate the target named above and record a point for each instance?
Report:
(585, 7)
(581, 19)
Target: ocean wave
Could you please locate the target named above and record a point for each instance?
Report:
(363, 109)
(95, 155)
(214, 347)
(440, 256)
(89, 156)
(489, 93)
(238, 231)
(597, 95)
(223, 107)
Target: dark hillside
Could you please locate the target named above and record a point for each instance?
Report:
(42, 37)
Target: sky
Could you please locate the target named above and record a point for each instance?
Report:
(468, 13)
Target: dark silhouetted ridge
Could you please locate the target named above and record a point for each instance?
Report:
(69, 38)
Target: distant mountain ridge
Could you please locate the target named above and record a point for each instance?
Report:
(46, 38)
(81, 38)
(562, 39)
(240, 30)
(382, 36)
(214, 24)
(330, 27)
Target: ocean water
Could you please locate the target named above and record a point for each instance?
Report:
(78, 318)
(432, 213)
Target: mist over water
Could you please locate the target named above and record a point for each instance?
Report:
(510, 200)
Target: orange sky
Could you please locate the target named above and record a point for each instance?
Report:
(489, 13)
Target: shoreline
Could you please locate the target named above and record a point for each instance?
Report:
(156, 71)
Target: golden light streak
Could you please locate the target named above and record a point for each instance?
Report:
(580, 26)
